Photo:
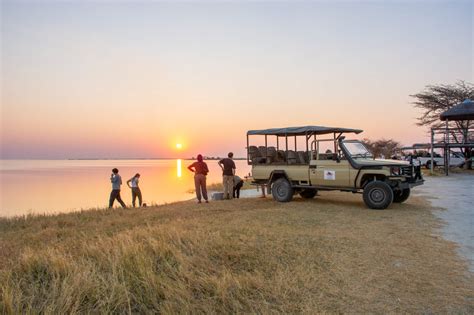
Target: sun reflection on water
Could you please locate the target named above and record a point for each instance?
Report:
(178, 168)
(161, 181)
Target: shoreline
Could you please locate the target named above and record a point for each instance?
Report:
(35, 213)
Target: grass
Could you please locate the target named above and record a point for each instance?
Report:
(327, 255)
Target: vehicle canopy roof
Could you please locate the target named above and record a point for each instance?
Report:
(416, 146)
(301, 131)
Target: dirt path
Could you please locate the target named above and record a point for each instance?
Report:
(455, 194)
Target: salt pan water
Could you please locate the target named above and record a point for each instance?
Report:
(52, 186)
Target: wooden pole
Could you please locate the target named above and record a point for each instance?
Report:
(248, 156)
(266, 148)
(432, 151)
(446, 151)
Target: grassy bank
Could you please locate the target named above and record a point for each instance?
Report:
(330, 254)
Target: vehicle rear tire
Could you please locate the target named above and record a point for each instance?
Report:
(308, 193)
(282, 190)
(428, 164)
(378, 195)
(400, 196)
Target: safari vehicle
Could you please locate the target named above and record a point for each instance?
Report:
(327, 161)
(421, 151)
(456, 159)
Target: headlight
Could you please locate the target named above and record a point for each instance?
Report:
(395, 170)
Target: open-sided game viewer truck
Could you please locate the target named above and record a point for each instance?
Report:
(325, 160)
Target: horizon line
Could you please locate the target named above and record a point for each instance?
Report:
(126, 158)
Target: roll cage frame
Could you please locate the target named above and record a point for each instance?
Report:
(308, 132)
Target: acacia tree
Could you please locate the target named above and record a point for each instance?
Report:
(436, 99)
(387, 148)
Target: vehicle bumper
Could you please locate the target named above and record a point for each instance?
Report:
(405, 185)
(404, 182)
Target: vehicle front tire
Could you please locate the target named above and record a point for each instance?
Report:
(282, 190)
(308, 193)
(400, 196)
(378, 195)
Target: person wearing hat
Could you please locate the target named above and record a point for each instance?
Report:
(200, 172)
(136, 192)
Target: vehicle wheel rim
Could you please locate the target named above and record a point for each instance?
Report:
(377, 195)
(281, 191)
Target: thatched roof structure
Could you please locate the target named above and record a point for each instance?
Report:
(462, 111)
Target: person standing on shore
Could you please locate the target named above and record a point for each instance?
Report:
(238, 183)
(136, 192)
(200, 172)
(116, 181)
(228, 171)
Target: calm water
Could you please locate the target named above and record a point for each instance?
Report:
(51, 186)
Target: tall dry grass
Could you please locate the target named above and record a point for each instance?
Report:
(330, 254)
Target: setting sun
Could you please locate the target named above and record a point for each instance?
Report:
(179, 146)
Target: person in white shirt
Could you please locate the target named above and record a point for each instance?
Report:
(238, 183)
(133, 184)
(116, 181)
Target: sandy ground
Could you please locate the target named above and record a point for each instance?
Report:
(454, 194)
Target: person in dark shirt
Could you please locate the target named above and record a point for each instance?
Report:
(200, 172)
(228, 171)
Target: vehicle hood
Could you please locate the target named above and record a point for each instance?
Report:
(381, 162)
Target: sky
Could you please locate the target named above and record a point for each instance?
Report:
(110, 79)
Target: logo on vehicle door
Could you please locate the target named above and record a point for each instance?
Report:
(329, 175)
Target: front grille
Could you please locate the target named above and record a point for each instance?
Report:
(407, 170)
(411, 171)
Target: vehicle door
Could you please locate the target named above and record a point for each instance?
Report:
(329, 172)
(456, 159)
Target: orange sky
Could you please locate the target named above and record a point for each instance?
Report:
(132, 80)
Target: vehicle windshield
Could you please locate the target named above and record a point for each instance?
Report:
(357, 150)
